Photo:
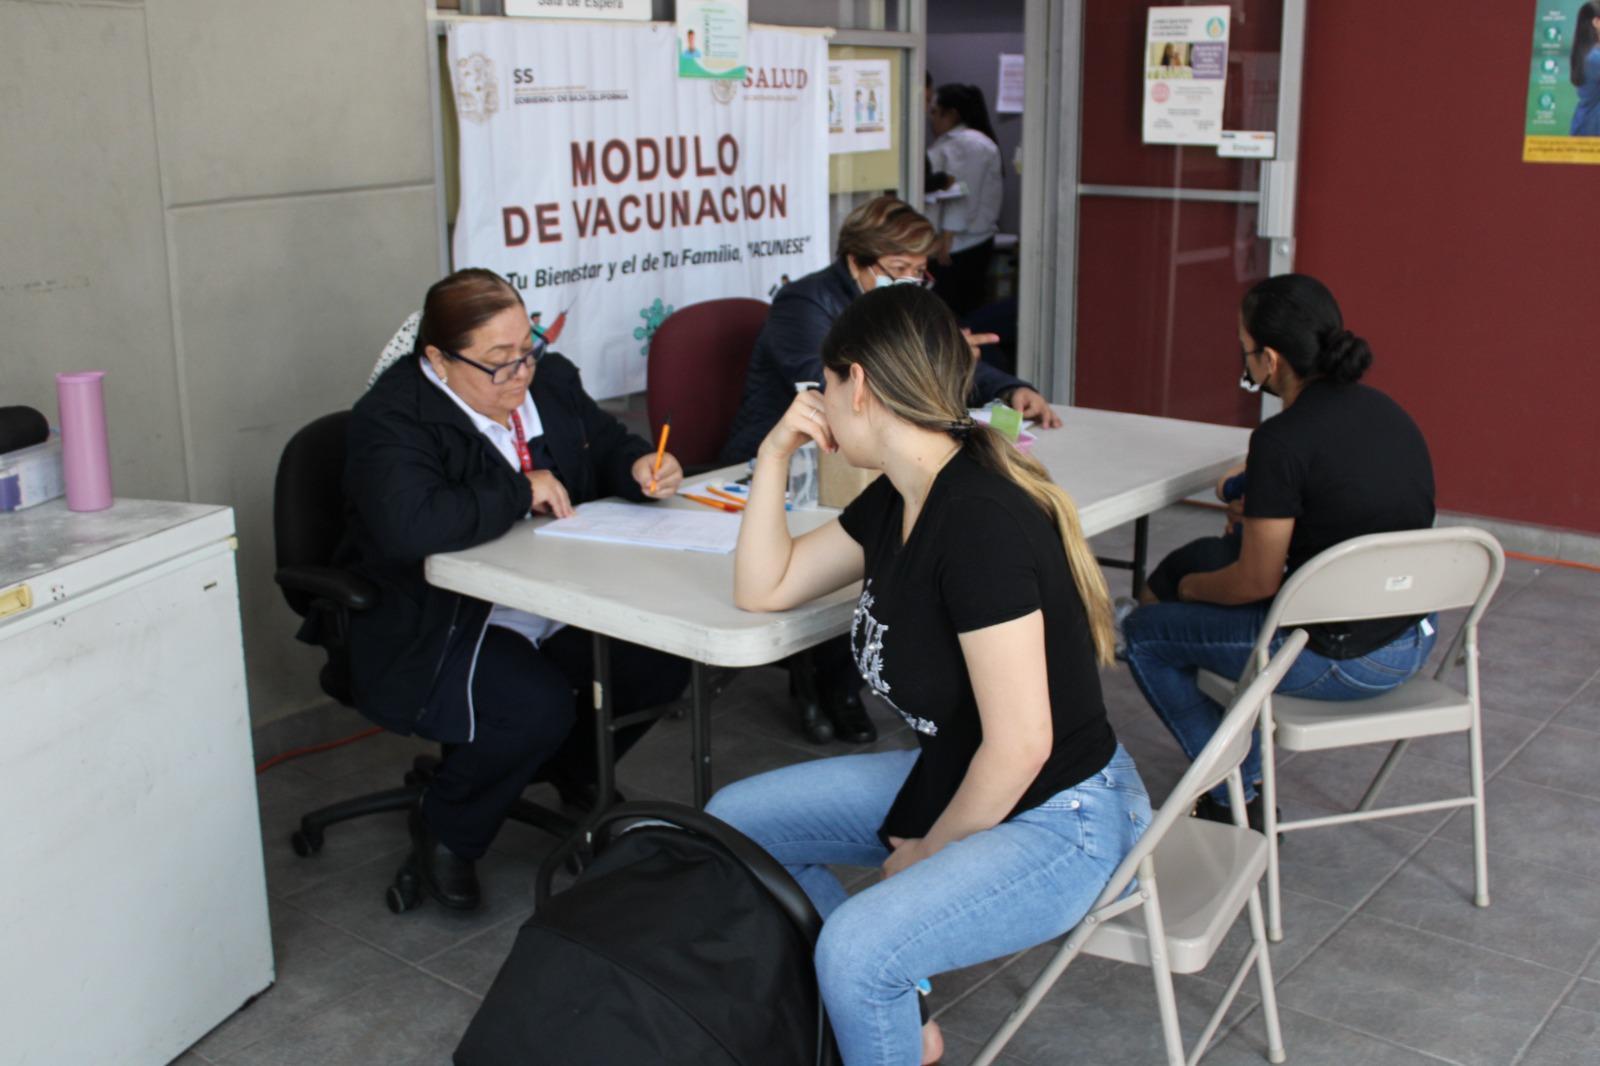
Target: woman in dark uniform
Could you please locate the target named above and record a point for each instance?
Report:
(449, 449)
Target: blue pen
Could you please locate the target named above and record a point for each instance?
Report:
(742, 486)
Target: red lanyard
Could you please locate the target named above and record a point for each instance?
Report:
(525, 456)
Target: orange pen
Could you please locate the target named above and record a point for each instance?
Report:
(709, 502)
(661, 449)
(737, 500)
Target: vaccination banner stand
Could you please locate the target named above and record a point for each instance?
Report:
(611, 192)
(1563, 117)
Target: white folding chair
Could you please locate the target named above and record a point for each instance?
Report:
(1384, 575)
(1207, 872)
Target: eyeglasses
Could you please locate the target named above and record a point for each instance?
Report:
(921, 277)
(503, 373)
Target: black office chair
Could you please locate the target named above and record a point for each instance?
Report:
(308, 508)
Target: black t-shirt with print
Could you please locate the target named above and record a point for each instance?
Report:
(981, 553)
(1342, 461)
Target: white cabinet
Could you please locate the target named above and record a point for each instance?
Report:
(133, 911)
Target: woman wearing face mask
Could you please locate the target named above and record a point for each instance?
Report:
(1341, 460)
(1586, 71)
(882, 243)
(983, 621)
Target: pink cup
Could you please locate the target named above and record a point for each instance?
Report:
(85, 448)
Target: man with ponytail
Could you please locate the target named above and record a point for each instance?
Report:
(983, 620)
(1341, 460)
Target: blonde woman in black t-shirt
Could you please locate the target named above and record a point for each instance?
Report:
(1341, 460)
(983, 620)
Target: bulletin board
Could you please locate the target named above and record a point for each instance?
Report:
(875, 171)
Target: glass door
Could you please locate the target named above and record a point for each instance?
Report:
(1165, 239)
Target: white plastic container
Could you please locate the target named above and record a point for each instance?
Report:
(31, 476)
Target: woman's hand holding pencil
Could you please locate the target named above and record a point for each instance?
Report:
(658, 475)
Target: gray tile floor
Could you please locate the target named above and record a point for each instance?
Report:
(1385, 959)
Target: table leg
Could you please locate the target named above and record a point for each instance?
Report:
(700, 733)
(605, 775)
(604, 737)
(1141, 548)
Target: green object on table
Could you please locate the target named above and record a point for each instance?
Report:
(1006, 420)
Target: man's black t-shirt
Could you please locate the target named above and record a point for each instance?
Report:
(981, 553)
(1342, 461)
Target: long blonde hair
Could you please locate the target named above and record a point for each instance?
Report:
(919, 367)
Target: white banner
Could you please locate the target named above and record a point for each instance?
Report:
(612, 192)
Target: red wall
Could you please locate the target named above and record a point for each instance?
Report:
(1475, 276)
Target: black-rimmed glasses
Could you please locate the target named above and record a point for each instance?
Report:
(503, 373)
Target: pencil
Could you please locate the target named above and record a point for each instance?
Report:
(661, 449)
(709, 502)
(740, 500)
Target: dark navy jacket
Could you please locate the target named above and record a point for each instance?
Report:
(789, 349)
(421, 479)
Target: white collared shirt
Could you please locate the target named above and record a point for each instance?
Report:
(503, 438)
(536, 628)
(974, 161)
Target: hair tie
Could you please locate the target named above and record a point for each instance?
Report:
(961, 428)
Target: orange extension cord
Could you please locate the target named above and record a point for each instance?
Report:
(312, 749)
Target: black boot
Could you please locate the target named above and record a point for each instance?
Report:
(803, 688)
(447, 877)
(850, 720)
(1255, 812)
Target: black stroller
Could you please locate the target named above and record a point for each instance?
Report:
(682, 941)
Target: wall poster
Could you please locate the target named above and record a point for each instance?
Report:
(711, 38)
(859, 105)
(1185, 74)
(1563, 116)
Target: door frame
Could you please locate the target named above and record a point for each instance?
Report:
(1052, 137)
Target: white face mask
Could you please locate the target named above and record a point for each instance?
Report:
(883, 281)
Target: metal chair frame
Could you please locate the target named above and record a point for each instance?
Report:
(1384, 575)
(1213, 870)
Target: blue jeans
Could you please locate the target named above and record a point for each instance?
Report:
(992, 894)
(1169, 643)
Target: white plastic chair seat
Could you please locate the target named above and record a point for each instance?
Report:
(1206, 871)
(1419, 708)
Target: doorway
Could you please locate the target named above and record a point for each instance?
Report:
(1131, 303)
(974, 55)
